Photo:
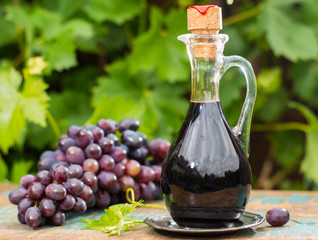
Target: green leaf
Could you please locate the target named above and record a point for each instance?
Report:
(286, 36)
(60, 53)
(117, 11)
(309, 165)
(114, 221)
(159, 50)
(18, 106)
(20, 168)
(3, 170)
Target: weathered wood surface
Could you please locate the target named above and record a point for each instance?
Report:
(303, 208)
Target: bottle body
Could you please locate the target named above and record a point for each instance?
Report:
(206, 176)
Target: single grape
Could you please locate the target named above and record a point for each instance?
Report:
(158, 148)
(84, 137)
(55, 191)
(119, 169)
(106, 144)
(114, 138)
(106, 163)
(91, 203)
(126, 182)
(107, 180)
(67, 203)
(118, 154)
(48, 154)
(102, 199)
(58, 218)
(17, 195)
(139, 154)
(24, 204)
(98, 134)
(128, 123)
(90, 165)
(75, 155)
(27, 180)
(131, 139)
(144, 138)
(74, 186)
(21, 218)
(148, 191)
(60, 174)
(93, 150)
(64, 143)
(146, 174)
(75, 171)
(46, 163)
(47, 207)
(90, 179)
(60, 156)
(157, 169)
(33, 217)
(114, 189)
(36, 190)
(80, 205)
(132, 168)
(72, 130)
(108, 125)
(87, 194)
(277, 216)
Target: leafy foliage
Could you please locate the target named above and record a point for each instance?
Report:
(73, 62)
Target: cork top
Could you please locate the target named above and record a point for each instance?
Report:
(206, 19)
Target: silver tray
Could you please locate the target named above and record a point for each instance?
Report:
(166, 223)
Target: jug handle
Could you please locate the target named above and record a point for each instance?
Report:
(242, 128)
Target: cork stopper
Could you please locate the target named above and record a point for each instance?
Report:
(206, 19)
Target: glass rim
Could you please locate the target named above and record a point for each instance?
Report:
(220, 37)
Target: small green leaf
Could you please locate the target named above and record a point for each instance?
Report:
(80, 28)
(19, 15)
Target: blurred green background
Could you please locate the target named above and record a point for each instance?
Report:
(67, 62)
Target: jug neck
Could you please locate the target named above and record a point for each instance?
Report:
(206, 58)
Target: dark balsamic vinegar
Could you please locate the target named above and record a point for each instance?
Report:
(206, 178)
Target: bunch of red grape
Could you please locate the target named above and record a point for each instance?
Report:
(93, 166)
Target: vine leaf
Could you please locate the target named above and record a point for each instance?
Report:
(19, 106)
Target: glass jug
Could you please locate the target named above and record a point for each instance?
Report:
(206, 177)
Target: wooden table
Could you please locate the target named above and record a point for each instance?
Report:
(302, 206)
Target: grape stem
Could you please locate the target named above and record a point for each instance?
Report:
(130, 195)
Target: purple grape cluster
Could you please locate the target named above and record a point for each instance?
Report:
(93, 166)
